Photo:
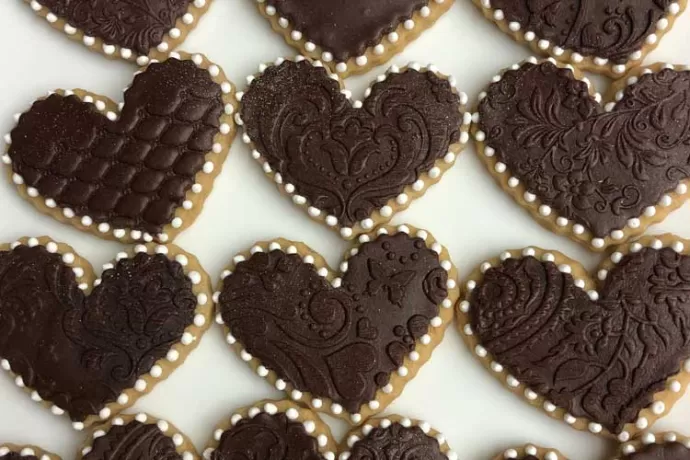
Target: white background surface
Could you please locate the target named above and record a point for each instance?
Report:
(466, 212)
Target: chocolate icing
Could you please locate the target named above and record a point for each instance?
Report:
(133, 172)
(134, 441)
(340, 343)
(594, 167)
(666, 451)
(267, 437)
(397, 443)
(17, 456)
(610, 29)
(346, 161)
(346, 28)
(601, 360)
(528, 457)
(139, 25)
(81, 352)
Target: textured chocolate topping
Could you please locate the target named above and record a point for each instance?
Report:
(610, 29)
(349, 162)
(601, 360)
(133, 172)
(81, 352)
(267, 437)
(397, 443)
(340, 343)
(133, 441)
(17, 456)
(139, 25)
(666, 451)
(346, 28)
(597, 168)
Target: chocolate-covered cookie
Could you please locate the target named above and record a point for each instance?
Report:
(606, 36)
(16, 452)
(135, 31)
(343, 342)
(611, 358)
(352, 165)
(88, 347)
(598, 173)
(659, 446)
(530, 452)
(355, 36)
(135, 171)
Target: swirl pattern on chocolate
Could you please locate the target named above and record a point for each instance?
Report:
(665, 451)
(602, 360)
(133, 441)
(397, 443)
(609, 29)
(267, 437)
(340, 343)
(134, 172)
(594, 167)
(346, 161)
(81, 352)
(136, 25)
(346, 29)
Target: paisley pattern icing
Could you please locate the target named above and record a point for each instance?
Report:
(397, 442)
(602, 360)
(133, 441)
(339, 343)
(598, 168)
(80, 352)
(347, 161)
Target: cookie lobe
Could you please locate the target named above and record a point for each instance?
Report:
(665, 451)
(133, 441)
(397, 442)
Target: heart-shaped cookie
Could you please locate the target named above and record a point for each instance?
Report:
(352, 165)
(530, 452)
(355, 36)
(612, 360)
(344, 343)
(90, 347)
(134, 171)
(605, 36)
(132, 30)
(141, 436)
(16, 452)
(661, 446)
(599, 174)
(297, 433)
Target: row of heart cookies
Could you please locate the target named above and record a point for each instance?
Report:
(141, 170)
(611, 361)
(285, 430)
(610, 36)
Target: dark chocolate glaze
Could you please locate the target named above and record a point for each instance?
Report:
(17, 456)
(133, 441)
(349, 162)
(81, 352)
(346, 28)
(666, 451)
(601, 360)
(137, 25)
(338, 343)
(610, 29)
(267, 437)
(597, 168)
(133, 172)
(397, 443)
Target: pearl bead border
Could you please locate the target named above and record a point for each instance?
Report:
(647, 439)
(87, 281)
(186, 214)
(27, 451)
(663, 400)
(313, 425)
(363, 431)
(183, 445)
(410, 192)
(589, 63)
(413, 362)
(542, 453)
(543, 213)
(172, 38)
(388, 46)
